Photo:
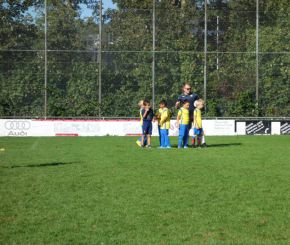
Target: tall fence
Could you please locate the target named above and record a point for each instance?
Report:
(82, 59)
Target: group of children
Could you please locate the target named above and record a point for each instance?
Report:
(184, 122)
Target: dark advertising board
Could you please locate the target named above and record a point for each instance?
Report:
(285, 127)
(261, 127)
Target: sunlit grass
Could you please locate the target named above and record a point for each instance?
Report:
(106, 190)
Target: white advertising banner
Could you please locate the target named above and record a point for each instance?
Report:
(36, 127)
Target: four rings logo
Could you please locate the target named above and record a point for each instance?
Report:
(17, 128)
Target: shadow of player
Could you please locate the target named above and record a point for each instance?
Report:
(40, 165)
(224, 145)
(213, 145)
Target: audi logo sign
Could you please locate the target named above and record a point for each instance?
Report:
(17, 125)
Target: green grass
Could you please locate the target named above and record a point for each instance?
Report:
(105, 190)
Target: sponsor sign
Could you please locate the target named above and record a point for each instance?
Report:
(285, 127)
(37, 127)
(258, 127)
(17, 127)
(219, 127)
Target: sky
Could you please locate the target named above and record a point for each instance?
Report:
(106, 4)
(85, 12)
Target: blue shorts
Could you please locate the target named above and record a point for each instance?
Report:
(197, 131)
(147, 127)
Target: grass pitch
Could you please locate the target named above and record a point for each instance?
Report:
(106, 190)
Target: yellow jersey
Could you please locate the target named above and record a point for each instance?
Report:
(141, 117)
(165, 116)
(184, 116)
(158, 115)
(197, 118)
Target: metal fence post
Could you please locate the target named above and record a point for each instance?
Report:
(205, 53)
(153, 55)
(257, 54)
(217, 42)
(100, 56)
(45, 59)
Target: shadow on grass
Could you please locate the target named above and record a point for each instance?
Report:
(40, 165)
(213, 145)
(224, 145)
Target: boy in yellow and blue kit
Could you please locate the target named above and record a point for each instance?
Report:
(158, 117)
(197, 125)
(183, 123)
(164, 124)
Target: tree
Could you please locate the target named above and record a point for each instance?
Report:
(73, 61)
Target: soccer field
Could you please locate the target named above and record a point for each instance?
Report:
(106, 190)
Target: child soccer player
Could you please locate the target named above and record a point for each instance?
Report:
(164, 124)
(138, 142)
(158, 117)
(197, 125)
(183, 125)
(147, 115)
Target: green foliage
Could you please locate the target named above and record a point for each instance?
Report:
(73, 62)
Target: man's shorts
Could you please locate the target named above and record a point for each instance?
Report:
(197, 131)
(147, 127)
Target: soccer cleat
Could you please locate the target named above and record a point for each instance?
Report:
(168, 147)
(138, 142)
(204, 145)
(148, 146)
(185, 147)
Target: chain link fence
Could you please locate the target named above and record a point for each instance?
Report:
(79, 59)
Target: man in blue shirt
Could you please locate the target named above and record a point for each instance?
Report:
(187, 95)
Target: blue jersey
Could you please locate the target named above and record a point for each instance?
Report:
(191, 98)
(149, 116)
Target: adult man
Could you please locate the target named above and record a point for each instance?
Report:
(187, 95)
